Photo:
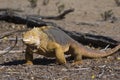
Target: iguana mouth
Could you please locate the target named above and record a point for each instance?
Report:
(27, 42)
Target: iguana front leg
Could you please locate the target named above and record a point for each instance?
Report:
(60, 55)
(28, 57)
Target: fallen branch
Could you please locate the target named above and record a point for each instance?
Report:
(95, 40)
(58, 17)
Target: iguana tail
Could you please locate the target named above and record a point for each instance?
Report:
(97, 53)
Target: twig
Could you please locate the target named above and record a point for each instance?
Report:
(61, 16)
(12, 51)
(10, 33)
(75, 69)
(9, 48)
(11, 39)
(105, 48)
(96, 23)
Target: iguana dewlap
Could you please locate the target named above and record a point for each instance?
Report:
(53, 42)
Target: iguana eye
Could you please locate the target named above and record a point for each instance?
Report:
(31, 37)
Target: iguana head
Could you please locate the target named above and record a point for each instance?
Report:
(32, 37)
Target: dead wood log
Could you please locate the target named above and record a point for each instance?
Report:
(94, 40)
(30, 21)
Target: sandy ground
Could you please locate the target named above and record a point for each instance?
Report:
(86, 19)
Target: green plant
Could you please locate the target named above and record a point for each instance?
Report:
(33, 3)
(117, 2)
(107, 15)
(45, 2)
(61, 8)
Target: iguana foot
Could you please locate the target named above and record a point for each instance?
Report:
(29, 63)
(77, 63)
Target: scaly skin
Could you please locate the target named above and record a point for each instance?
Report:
(52, 42)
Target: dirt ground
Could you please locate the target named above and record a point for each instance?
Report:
(89, 17)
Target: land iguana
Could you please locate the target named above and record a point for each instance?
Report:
(52, 42)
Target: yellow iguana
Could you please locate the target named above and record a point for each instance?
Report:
(53, 42)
